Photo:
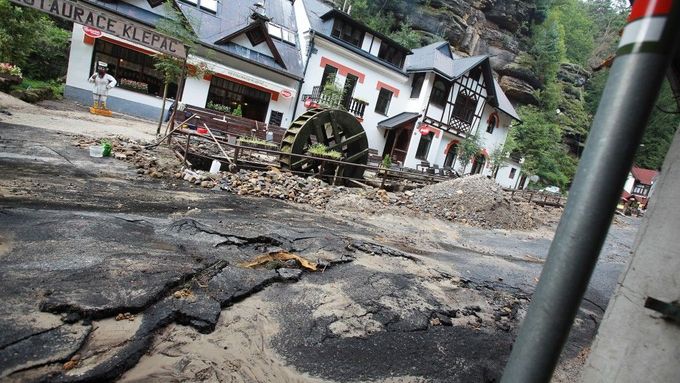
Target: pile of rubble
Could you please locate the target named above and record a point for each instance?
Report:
(474, 200)
(147, 161)
(281, 185)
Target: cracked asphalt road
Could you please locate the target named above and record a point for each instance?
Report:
(83, 240)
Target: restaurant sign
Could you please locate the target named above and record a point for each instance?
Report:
(108, 23)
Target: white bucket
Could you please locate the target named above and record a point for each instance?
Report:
(215, 167)
(97, 151)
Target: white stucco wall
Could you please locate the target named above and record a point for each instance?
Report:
(243, 41)
(80, 69)
(630, 182)
(367, 91)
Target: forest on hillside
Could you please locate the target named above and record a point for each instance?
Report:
(583, 33)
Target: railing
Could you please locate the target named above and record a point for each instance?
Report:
(230, 124)
(319, 98)
(455, 126)
(538, 197)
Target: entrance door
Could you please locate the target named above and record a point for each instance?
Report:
(478, 164)
(451, 156)
(348, 91)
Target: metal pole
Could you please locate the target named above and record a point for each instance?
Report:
(632, 88)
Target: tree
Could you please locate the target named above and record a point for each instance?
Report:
(31, 40)
(578, 29)
(548, 48)
(539, 140)
(500, 154)
(175, 25)
(660, 130)
(468, 149)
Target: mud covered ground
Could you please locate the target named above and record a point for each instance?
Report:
(85, 241)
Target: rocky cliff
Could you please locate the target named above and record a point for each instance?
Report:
(499, 28)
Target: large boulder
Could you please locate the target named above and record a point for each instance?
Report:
(33, 95)
(518, 90)
(7, 81)
(522, 72)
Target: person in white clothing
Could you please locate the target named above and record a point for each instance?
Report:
(102, 83)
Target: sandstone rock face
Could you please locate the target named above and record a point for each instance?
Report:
(518, 90)
(573, 74)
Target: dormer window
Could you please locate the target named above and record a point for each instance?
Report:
(347, 32)
(476, 73)
(281, 33)
(440, 92)
(208, 5)
(391, 54)
(255, 36)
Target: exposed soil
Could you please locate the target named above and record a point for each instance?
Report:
(395, 298)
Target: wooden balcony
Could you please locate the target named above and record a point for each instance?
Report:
(319, 98)
(454, 125)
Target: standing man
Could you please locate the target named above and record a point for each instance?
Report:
(102, 83)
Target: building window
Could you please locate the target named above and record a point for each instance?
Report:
(275, 118)
(476, 73)
(134, 70)
(256, 36)
(253, 102)
(328, 77)
(347, 32)
(417, 84)
(383, 104)
(208, 5)
(464, 107)
(513, 171)
(424, 146)
(440, 92)
(391, 54)
(493, 121)
(640, 189)
(281, 33)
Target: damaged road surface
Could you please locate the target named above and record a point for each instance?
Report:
(111, 276)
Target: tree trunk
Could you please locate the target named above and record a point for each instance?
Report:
(165, 96)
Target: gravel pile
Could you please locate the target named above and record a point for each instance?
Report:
(474, 200)
(281, 185)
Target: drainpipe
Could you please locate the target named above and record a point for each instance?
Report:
(644, 54)
(304, 72)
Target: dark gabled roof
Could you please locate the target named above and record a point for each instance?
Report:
(504, 103)
(397, 120)
(233, 17)
(255, 25)
(321, 18)
(336, 13)
(128, 10)
(437, 57)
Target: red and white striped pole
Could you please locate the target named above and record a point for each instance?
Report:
(647, 46)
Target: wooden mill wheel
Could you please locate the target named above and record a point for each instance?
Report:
(337, 129)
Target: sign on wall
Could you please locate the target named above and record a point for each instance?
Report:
(109, 23)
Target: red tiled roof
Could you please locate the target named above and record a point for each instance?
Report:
(644, 176)
(625, 195)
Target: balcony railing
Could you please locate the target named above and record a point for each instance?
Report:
(319, 98)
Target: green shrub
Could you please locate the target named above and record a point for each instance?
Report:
(321, 150)
(218, 107)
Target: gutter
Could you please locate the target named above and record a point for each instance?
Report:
(304, 71)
